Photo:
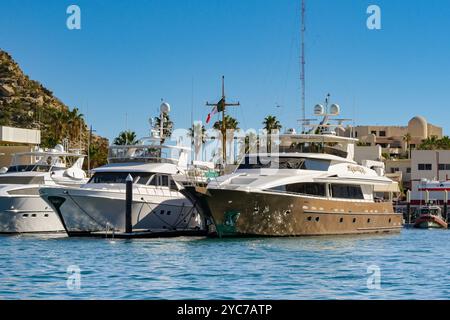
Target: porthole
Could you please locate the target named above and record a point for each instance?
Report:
(317, 219)
(162, 211)
(390, 220)
(25, 215)
(169, 212)
(34, 215)
(341, 220)
(46, 215)
(368, 220)
(354, 220)
(309, 218)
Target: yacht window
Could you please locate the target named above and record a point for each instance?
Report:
(120, 177)
(21, 180)
(346, 191)
(160, 180)
(164, 181)
(142, 178)
(173, 185)
(313, 189)
(31, 167)
(251, 162)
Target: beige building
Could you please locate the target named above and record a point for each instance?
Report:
(13, 140)
(430, 165)
(392, 138)
(399, 170)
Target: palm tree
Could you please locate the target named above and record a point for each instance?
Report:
(429, 143)
(59, 120)
(271, 124)
(197, 133)
(230, 124)
(407, 139)
(125, 138)
(167, 126)
(76, 124)
(444, 143)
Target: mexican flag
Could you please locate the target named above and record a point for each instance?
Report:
(218, 108)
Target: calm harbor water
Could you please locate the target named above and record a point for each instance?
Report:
(413, 265)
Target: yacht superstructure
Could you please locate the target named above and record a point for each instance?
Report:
(22, 210)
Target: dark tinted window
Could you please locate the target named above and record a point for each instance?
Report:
(165, 181)
(120, 177)
(284, 163)
(425, 166)
(31, 167)
(160, 180)
(21, 180)
(345, 191)
(313, 189)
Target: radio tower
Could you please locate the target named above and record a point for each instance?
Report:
(302, 75)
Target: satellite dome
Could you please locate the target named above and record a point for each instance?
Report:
(165, 107)
(318, 110)
(335, 109)
(59, 148)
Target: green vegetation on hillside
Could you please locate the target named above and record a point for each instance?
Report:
(25, 103)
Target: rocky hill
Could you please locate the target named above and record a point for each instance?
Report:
(26, 103)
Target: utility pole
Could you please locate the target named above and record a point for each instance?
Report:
(302, 76)
(222, 104)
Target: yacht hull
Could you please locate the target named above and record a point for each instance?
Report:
(241, 213)
(87, 211)
(27, 214)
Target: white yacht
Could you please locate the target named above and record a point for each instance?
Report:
(312, 186)
(157, 207)
(22, 210)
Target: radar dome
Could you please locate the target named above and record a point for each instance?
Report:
(335, 109)
(165, 107)
(59, 148)
(318, 110)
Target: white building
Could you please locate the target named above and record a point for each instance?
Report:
(430, 165)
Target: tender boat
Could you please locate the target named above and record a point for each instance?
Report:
(311, 187)
(158, 206)
(22, 210)
(430, 217)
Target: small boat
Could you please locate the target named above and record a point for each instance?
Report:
(430, 217)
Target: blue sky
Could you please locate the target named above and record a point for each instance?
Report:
(130, 54)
